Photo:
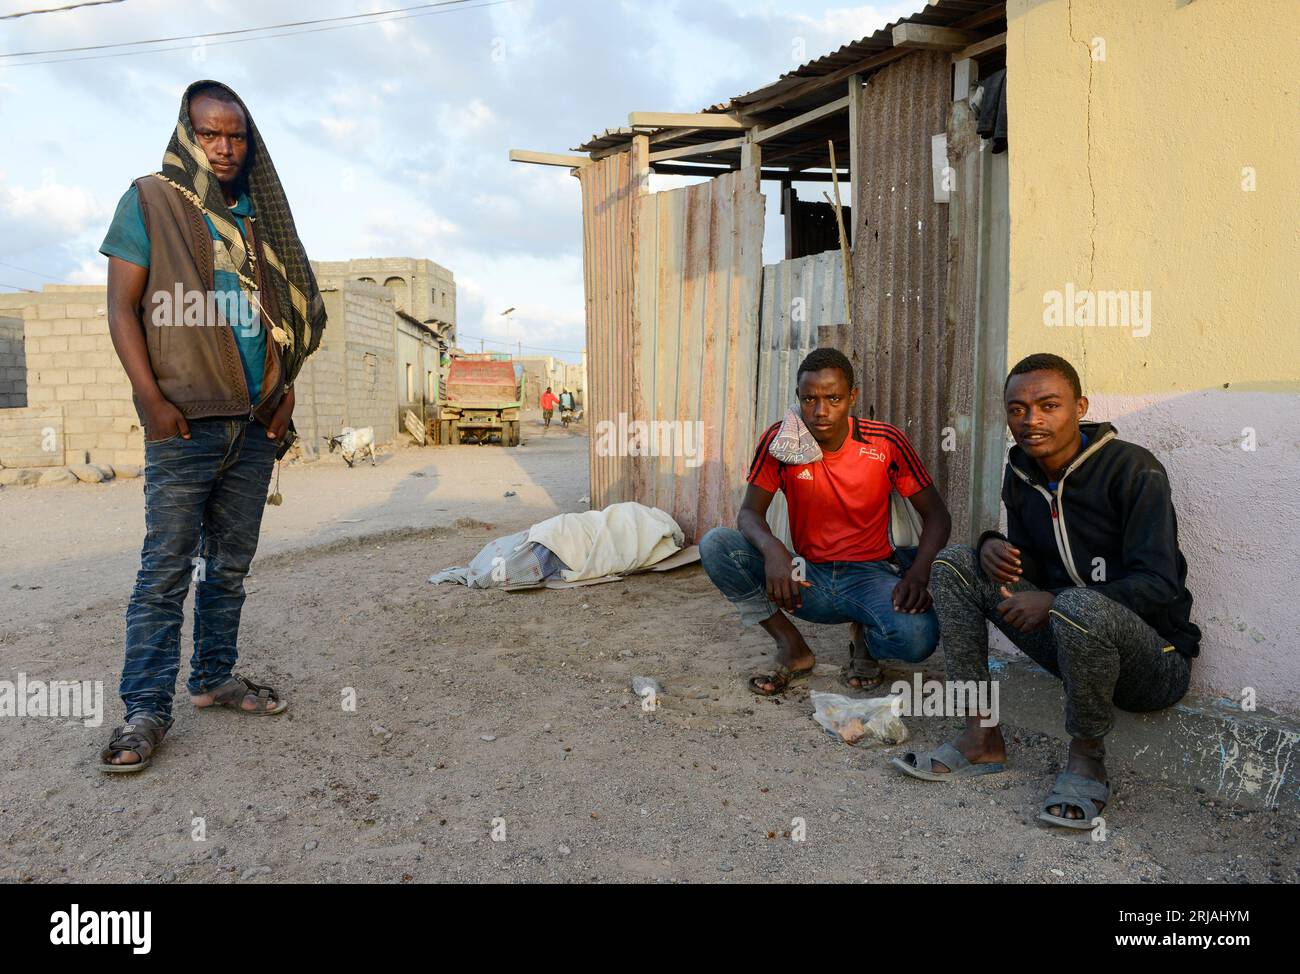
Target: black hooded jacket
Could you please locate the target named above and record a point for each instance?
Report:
(1109, 526)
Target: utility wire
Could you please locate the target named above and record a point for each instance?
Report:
(57, 10)
(28, 270)
(245, 40)
(531, 348)
(226, 33)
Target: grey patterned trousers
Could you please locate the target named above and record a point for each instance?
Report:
(1102, 651)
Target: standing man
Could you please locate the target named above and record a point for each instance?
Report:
(204, 264)
(839, 508)
(1088, 581)
(548, 406)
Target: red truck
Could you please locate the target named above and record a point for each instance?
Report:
(482, 401)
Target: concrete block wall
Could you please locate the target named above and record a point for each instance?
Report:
(71, 367)
(31, 436)
(13, 363)
(371, 358)
(320, 393)
(351, 378)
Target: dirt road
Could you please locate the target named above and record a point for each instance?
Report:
(482, 712)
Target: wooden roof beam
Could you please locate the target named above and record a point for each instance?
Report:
(549, 158)
(790, 124)
(703, 148)
(925, 38)
(701, 120)
(993, 43)
(772, 175)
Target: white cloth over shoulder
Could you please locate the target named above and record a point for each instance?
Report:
(620, 538)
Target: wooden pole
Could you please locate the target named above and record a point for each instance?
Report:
(845, 254)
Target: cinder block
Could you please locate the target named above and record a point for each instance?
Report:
(79, 408)
(51, 312)
(52, 377)
(75, 442)
(67, 326)
(97, 393)
(112, 441)
(83, 343)
(40, 360)
(95, 326)
(130, 455)
(111, 377)
(40, 394)
(98, 359)
(69, 393)
(37, 329)
(109, 407)
(52, 343)
(81, 377)
(75, 424)
(126, 424)
(81, 311)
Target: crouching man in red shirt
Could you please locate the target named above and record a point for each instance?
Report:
(846, 568)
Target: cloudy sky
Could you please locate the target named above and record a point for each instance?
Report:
(391, 136)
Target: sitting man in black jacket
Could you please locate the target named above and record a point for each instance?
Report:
(1088, 582)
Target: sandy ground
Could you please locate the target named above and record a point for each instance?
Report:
(484, 711)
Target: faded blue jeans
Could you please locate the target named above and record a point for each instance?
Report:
(841, 591)
(203, 504)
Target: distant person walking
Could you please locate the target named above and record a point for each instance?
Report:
(548, 406)
(207, 241)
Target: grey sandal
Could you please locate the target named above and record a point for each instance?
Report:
(231, 693)
(1088, 795)
(921, 764)
(140, 736)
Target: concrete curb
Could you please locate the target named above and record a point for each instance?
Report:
(1250, 758)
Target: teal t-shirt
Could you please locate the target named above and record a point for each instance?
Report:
(127, 240)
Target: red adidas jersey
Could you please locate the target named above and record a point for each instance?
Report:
(839, 506)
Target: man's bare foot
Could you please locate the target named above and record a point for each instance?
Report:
(1087, 758)
(791, 650)
(204, 700)
(979, 745)
(863, 672)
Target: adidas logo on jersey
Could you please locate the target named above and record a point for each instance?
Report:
(805, 475)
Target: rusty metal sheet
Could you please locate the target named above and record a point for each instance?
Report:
(699, 269)
(912, 359)
(609, 192)
(803, 306)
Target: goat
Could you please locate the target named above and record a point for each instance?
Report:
(351, 442)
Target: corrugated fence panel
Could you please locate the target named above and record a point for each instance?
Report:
(902, 344)
(609, 195)
(799, 297)
(702, 324)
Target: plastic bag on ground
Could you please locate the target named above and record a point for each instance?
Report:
(854, 719)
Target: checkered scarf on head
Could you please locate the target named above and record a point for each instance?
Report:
(301, 308)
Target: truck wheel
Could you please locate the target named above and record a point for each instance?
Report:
(444, 432)
(512, 433)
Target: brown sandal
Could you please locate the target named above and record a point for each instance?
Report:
(140, 736)
(780, 678)
(232, 692)
(869, 673)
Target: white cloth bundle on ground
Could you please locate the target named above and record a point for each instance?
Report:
(619, 539)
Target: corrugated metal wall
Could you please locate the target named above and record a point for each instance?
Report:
(803, 307)
(609, 193)
(699, 272)
(914, 363)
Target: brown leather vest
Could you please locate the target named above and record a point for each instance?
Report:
(197, 365)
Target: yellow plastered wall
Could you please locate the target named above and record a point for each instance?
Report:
(1127, 171)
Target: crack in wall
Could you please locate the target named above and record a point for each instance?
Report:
(1092, 186)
